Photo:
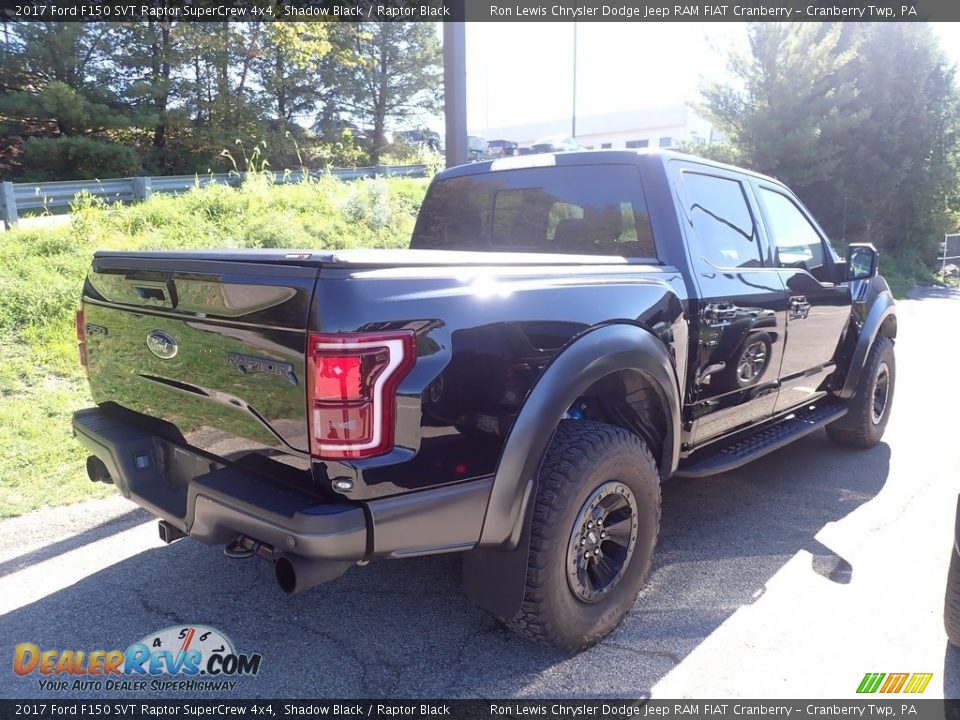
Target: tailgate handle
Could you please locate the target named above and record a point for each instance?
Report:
(148, 293)
(156, 292)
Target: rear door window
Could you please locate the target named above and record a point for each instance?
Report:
(724, 228)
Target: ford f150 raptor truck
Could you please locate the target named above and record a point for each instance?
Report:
(566, 332)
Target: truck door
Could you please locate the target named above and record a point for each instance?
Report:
(818, 310)
(740, 318)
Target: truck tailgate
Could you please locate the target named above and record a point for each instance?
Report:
(214, 346)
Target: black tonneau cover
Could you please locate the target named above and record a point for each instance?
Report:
(368, 258)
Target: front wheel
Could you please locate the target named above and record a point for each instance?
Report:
(869, 408)
(594, 527)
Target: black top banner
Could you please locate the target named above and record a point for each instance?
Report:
(904, 708)
(480, 10)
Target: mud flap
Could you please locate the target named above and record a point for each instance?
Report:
(495, 578)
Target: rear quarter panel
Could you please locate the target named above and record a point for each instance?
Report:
(475, 366)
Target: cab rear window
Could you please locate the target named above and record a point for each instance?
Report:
(582, 210)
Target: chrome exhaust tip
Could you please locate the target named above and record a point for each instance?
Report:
(169, 532)
(295, 574)
(97, 471)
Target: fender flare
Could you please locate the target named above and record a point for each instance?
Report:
(494, 572)
(881, 309)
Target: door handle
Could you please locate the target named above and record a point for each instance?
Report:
(799, 307)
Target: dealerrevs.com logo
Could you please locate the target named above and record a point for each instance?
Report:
(203, 658)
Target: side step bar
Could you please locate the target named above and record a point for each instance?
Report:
(747, 448)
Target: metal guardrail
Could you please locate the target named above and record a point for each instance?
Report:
(18, 197)
(951, 252)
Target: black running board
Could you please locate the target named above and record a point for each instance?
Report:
(747, 448)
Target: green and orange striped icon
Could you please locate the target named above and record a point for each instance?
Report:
(894, 682)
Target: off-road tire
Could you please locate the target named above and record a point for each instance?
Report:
(857, 428)
(951, 607)
(583, 456)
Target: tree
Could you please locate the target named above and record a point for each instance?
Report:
(859, 119)
(175, 95)
(77, 158)
(288, 65)
(148, 56)
(71, 53)
(903, 166)
(794, 105)
(723, 152)
(395, 73)
(72, 112)
(61, 101)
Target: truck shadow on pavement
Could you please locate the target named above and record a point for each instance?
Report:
(404, 629)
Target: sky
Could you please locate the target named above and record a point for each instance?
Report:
(522, 72)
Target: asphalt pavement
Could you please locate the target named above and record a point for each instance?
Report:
(789, 578)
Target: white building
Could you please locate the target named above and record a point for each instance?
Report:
(663, 126)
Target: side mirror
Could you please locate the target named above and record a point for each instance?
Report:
(863, 261)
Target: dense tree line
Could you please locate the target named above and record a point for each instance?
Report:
(861, 120)
(85, 100)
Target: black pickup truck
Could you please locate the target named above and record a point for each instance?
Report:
(567, 332)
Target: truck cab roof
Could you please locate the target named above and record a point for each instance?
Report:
(590, 157)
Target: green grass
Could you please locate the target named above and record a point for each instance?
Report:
(41, 277)
(40, 464)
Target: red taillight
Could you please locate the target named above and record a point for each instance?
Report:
(81, 338)
(338, 377)
(352, 381)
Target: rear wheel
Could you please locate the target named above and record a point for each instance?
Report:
(869, 408)
(595, 523)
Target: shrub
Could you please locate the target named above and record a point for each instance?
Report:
(66, 158)
(343, 151)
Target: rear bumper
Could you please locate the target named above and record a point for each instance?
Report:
(213, 502)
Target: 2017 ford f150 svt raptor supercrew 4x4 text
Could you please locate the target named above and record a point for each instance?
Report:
(566, 332)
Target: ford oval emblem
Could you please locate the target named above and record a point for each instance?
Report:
(162, 344)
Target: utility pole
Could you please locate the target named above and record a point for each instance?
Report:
(843, 231)
(573, 114)
(455, 92)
